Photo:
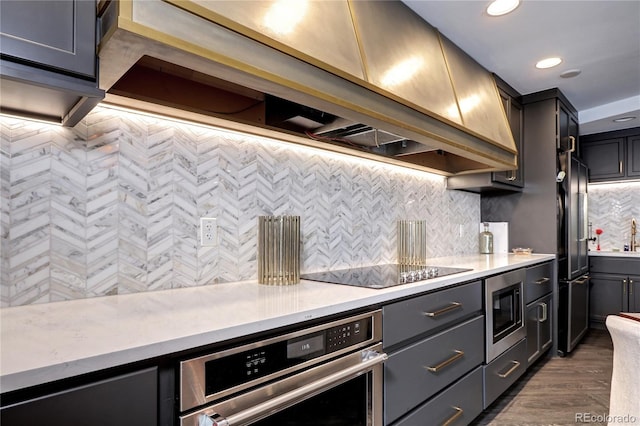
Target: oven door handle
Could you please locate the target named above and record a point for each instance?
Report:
(370, 359)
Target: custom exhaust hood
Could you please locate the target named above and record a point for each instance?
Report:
(324, 76)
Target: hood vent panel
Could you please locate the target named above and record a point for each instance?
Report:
(231, 67)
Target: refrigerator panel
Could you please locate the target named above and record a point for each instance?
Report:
(574, 220)
(575, 227)
(573, 315)
(583, 258)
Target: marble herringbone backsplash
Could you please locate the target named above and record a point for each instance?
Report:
(611, 208)
(113, 206)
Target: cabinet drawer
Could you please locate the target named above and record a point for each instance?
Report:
(412, 317)
(539, 281)
(614, 265)
(130, 399)
(419, 371)
(503, 371)
(459, 404)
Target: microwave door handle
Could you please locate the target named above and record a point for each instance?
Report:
(371, 359)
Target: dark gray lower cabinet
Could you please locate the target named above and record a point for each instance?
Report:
(419, 315)
(416, 373)
(615, 287)
(129, 399)
(612, 294)
(539, 327)
(503, 371)
(458, 405)
(435, 343)
(539, 313)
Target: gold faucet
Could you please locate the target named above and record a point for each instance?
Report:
(634, 245)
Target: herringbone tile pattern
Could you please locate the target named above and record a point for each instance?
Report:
(113, 206)
(611, 208)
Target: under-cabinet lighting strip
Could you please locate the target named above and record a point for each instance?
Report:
(287, 145)
(618, 184)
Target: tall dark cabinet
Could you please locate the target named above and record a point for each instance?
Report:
(549, 215)
(533, 213)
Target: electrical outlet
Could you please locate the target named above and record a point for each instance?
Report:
(208, 232)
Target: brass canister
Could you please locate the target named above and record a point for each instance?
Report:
(279, 250)
(412, 242)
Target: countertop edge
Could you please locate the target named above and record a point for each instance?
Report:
(302, 296)
(626, 254)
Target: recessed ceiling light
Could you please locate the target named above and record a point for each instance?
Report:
(570, 73)
(623, 119)
(502, 7)
(548, 63)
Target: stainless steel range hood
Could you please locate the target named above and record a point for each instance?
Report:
(328, 83)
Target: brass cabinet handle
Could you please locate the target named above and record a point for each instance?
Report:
(573, 143)
(543, 280)
(516, 364)
(624, 287)
(451, 307)
(582, 281)
(443, 364)
(455, 416)
(630, 287)
(620, 167)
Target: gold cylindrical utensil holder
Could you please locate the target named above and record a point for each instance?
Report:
(412, 242)
(279, 250)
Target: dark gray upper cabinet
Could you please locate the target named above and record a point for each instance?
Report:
(568, 130)
(510, 180)
(605, 158)
(56, 33)
(513, 109)
(48, 64)
(633, 156)
(613, 155)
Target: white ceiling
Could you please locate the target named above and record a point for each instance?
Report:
(599, 37)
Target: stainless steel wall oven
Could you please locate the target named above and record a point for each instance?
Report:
(328, 374)
(504, 302)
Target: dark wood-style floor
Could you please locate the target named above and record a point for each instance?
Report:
(557, 391)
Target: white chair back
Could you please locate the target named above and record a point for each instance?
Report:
(624, 402)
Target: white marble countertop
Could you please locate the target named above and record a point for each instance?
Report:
(632, 254)
(46, 342)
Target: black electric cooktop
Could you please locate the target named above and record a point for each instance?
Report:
(382, 276)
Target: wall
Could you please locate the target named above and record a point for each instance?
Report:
(112, 206)
(611, 208)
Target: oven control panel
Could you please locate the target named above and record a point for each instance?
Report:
(346, 335)
(254, 363)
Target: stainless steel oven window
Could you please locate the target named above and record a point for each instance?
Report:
(507, 311)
